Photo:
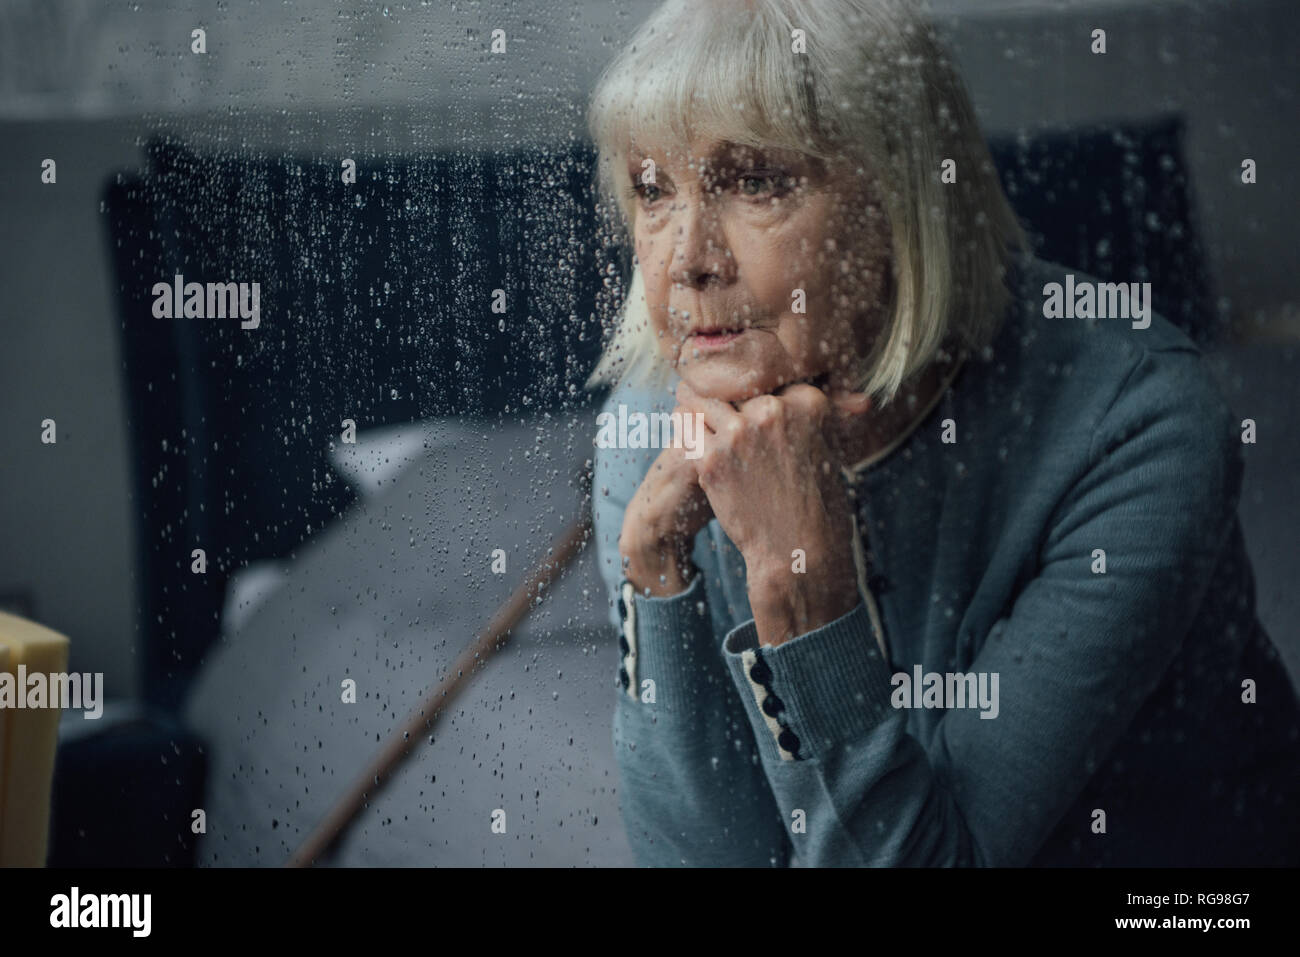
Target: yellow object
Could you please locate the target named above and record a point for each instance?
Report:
(29, 738)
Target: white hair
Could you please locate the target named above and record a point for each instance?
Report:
(875, 88)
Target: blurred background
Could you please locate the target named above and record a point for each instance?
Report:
(473, 174)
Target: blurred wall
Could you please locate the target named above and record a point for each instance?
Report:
(85, 82)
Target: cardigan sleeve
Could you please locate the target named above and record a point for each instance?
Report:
(693, 791)
(1075, 658)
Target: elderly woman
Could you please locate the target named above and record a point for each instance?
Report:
(943, 581)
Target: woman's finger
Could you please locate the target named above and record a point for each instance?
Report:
(808, 400)
(850, 421)
(850, 405)
(717, 414)
(841, 413)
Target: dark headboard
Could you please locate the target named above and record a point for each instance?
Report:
(1114, 200)
(376, 306)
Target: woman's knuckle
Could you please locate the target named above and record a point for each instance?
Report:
(766, 410)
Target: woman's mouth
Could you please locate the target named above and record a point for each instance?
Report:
(713, 339)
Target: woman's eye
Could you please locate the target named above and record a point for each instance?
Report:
(764, 184)
(648, 192)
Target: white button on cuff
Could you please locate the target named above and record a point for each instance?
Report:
(629, 636)
(780, 733)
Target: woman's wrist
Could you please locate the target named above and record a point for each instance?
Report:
(661, 570)
(787, 604)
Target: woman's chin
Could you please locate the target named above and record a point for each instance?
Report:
(726, 381)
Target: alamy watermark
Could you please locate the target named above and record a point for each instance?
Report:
(651, 430)
(215, 300)
(950, 689)
(75, 909)
(55, 690)
(1098, 300)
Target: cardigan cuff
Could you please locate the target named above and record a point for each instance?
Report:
(814, 692)
(672, 646)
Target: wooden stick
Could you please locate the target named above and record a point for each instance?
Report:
(398, 747)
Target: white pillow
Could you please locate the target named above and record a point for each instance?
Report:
(376, 460)
(382, 454)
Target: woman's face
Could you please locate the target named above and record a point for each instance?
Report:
(728, 236)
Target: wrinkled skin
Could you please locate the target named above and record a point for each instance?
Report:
(723, 241)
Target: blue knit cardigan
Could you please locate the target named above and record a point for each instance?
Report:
(1078, 543)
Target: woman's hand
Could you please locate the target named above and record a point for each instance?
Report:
(661, 522)
(770, 470)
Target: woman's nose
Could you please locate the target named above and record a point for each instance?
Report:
(700, 250)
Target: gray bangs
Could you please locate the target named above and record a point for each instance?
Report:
(690, 75)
